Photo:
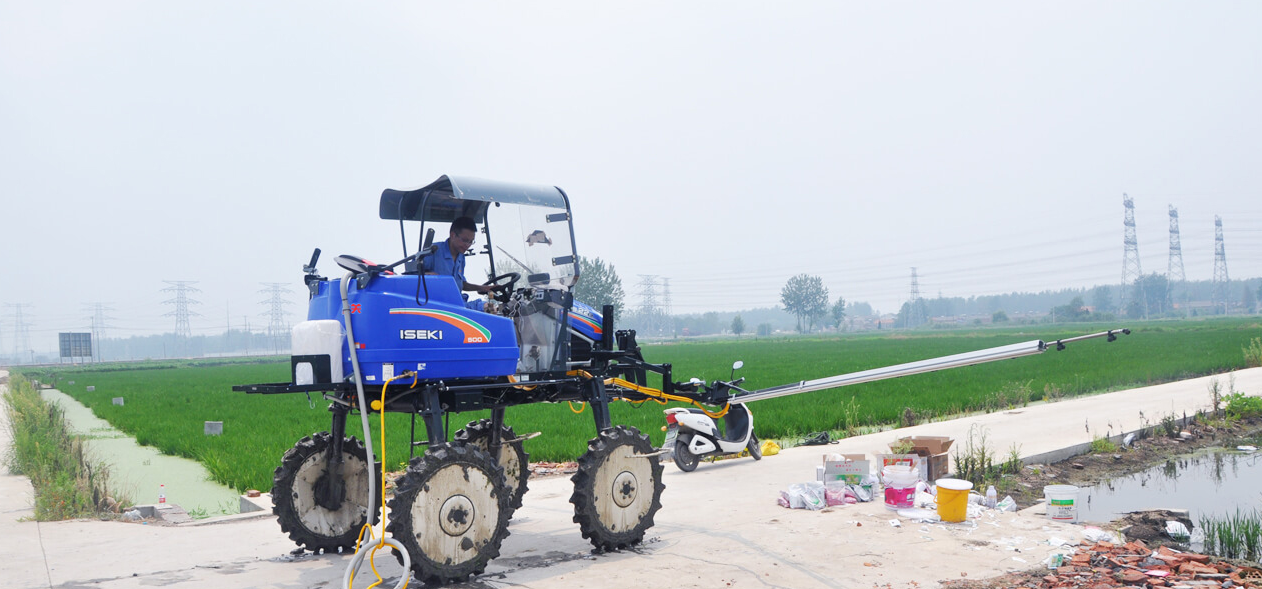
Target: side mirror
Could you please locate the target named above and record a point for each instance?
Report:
(736, 366)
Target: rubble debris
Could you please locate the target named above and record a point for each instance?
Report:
(1107, 565)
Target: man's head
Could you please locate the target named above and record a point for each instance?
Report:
(463, 232)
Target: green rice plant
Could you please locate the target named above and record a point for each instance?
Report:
(67, 482)
(1238, 535)
(167, 402)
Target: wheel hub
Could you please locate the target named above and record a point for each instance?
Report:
(329, 492)
(625, 488)
(456, 515)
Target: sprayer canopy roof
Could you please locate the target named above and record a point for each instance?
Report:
(464, 196)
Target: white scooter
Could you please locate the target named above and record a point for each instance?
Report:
(692, 435)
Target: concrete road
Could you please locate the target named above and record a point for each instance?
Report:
(719, 526)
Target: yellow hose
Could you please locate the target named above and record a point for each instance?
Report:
(381, 541)
(656, 395)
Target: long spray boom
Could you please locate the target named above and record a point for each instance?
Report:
(931, 365)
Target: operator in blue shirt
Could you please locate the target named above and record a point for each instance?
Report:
(448, 259)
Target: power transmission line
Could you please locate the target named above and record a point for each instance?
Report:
(98, 321)
(277, 327)
(668, 313)
(1220, 267)
(181, 288)
(1174, 268)
(1131, 271)
(913, 308)
(650, 310)
(21, 332)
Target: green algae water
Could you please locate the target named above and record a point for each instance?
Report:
(138, 471)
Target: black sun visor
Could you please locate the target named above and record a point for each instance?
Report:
(455, 196)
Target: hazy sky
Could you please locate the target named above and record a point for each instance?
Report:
(724, 145)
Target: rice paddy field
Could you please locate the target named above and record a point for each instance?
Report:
(166, 403)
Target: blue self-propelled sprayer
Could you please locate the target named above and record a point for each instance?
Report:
(411, 342)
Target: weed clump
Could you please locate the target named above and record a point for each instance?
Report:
(1253, 353)
(975, 460)
(67, 483)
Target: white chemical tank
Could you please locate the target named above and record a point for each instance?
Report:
(322, 337)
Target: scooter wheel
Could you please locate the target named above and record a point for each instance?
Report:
(684, 458)
(755, 446)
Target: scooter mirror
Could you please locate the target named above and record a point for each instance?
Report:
(738, 364)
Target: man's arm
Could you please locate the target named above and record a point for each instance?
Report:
(481, 288)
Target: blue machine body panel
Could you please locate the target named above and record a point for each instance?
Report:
(586, 320)
(439, 338)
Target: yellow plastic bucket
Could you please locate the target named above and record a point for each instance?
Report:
(953, 499)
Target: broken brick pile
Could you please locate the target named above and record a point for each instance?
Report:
(1105, 565)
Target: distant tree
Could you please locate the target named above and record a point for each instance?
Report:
(764, 329)
(1250, 302)
(1074, 311)
(859, 309)
(839, 312)
(1152, 293)
(904, 318)
(738, 325)
(1102, 299)
(999, 317)
(806, 297)
(598, 285)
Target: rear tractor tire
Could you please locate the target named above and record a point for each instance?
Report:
(512, 458)
(313, 511)
(450, 512)
(617, 489)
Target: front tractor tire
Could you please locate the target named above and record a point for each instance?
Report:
(316, 511)
(450, 512)
(617, 489)
(512, 458)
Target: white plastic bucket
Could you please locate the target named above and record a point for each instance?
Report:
(1062, 502)
(900, 486)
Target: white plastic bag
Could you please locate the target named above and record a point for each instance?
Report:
(807, 496)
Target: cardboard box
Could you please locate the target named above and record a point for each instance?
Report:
(933, 450)
(927, 445)
(939, 466)
(852, 468)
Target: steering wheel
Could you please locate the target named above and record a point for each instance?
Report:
(354, 264)
(359, 265)
(503, 283)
